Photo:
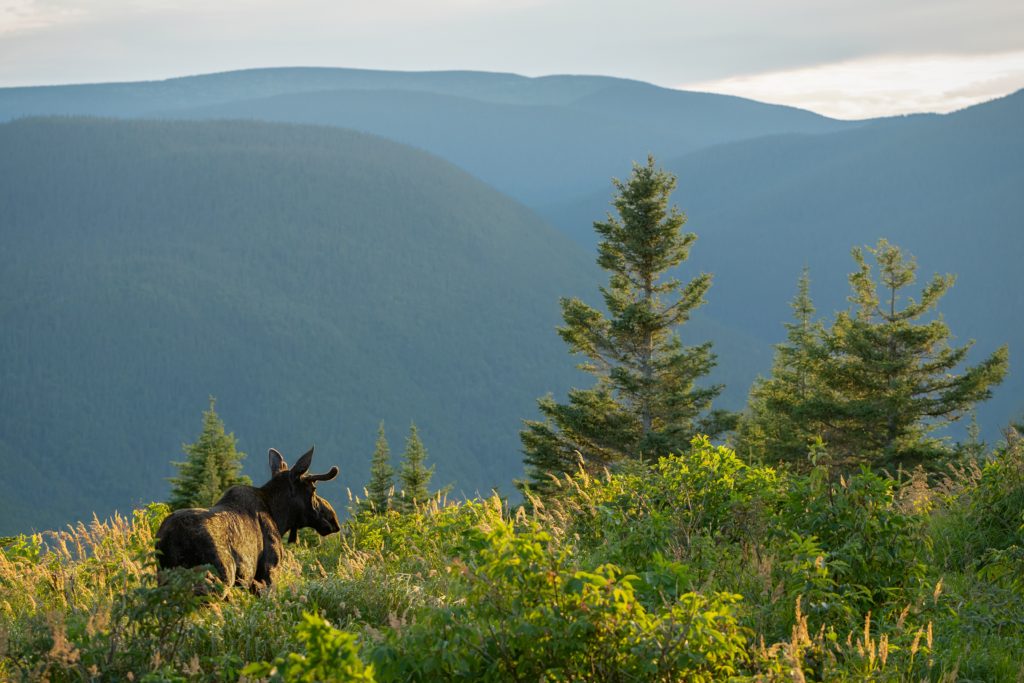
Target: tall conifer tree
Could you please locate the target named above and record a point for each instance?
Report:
(382, 476)
(646, 401)
(890, 371)
(774, 427)
(212, 464)
(414, 473)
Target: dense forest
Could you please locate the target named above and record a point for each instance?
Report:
(316, 281)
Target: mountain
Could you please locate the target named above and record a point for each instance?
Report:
(149, 264)
(948, 189)
(315, 280)
(540, 140)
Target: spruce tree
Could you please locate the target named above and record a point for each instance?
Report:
(382, 477)
(890, 370)
(774, 428)
(414, 473)
(645, 402)
(212, 464)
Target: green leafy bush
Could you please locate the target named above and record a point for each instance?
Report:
(669, 508)
(527, 614)
(331, 656)
(875, 551)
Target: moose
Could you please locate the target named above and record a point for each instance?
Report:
(240, 536)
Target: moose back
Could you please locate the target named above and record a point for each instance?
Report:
(240, 536)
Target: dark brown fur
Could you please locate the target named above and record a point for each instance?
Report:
(241, 535)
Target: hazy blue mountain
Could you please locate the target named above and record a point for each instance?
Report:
(140, 98)
(540, 140)
(143, 97)
(538, 153)
(315, 280)
(949, 189)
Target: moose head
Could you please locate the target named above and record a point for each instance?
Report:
(293, 493)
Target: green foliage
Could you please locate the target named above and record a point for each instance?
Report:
(979, 626)
(671, 508)
(645, 402)
(413, 473)
(527, 615)
(331, 656)
(381, 488)
(698, 566)
(876, 383)
(876, 552)
(983, 523)
(212, 465)
(890, 373)
(26, 547)
(774, 428)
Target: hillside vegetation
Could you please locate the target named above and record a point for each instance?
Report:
(698, 568)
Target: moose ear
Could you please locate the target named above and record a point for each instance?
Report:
(277, 463)
(302, 464)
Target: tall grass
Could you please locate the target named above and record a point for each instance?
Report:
(700, 567)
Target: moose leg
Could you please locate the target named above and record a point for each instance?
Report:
(266, 566)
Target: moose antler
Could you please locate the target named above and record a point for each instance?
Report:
(328, 475)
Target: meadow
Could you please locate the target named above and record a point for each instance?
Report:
(697, 567)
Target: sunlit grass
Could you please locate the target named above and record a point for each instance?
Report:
(604, 581)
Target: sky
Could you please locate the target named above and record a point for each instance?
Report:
(843, 58)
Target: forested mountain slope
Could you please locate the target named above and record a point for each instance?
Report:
(315, 280)
(176, 260)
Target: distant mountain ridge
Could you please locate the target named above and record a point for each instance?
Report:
(540, 140)
(139, 97)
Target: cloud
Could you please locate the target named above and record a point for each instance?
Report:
(883, 85)
(27, 15)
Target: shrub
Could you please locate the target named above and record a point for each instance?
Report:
(670, 508)
(526, 614)
(875, 552)
(331, 656)
(983, 524)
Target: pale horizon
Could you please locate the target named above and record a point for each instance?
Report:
(878, 86)
(845, 59)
